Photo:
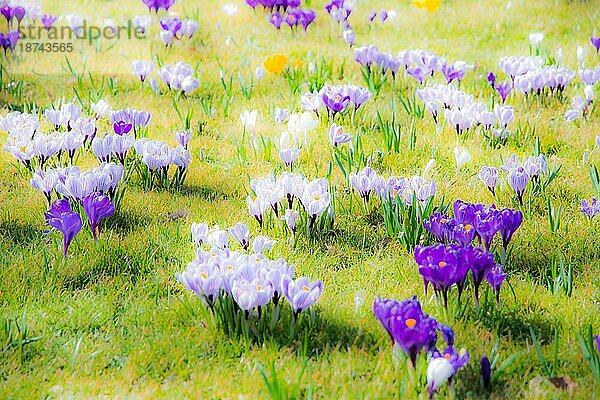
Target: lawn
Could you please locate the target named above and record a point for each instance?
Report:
(112, 320)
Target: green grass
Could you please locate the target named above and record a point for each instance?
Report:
(114, 321)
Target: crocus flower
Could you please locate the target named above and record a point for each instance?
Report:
(249, 295)
(349, 36)
(518, 180)
(487, 223)
(439, 370)
(491, 78)
(288, 156)
(441, 226)
(442, 266)
(301, 293)
(407, 325)
(199, 233)
(511, 221)
(260, 244)
(6, 11)
(142, 68)
(463, 234)
(590, 207)
(504, 89)
(62, 218)
(462, 156)
(429, 5)
(204, 279)
(97, 206)
(275, 64)
(121, 127)
(290, 219)
(276, 19)
(241, 234)
(480, 263)
(489, 176)
(48, 21)
(595, 40)
(183, 138)
(155, 5)
(45, 183)
(486, 372)
(495, 278)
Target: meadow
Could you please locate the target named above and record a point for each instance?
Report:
(114, 317)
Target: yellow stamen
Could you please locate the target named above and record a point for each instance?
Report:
(306, 288)
(442, 264)
(410, 322)
(468, 227)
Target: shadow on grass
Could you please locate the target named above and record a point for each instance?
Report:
(18, 233)
(513, 321)
(112, 262)
(126, 222)
(204, 192)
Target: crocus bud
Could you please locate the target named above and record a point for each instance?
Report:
(486, 372)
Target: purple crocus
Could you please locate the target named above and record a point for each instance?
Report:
(442, 266)
(590, 207)
(418, 73)
(441, 226)
(496, 277)
(7, 12)
(518, 180)
(480, 263)
(407, 325)
(122, 127)
(504, 89)
(491, 78)
(451, 73)
(155, 5)
(334, 99)
(487, 223)
(18, 13)
(276, 20)
(595, 40)
(486, 372)
(301, 293)
(97, 206)
(463, 234)
(172, 25)
(9, 41)
(61, 217)
(48, 20)
(464, 213)
(511, 221)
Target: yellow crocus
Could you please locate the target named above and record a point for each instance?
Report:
(275, 64)
(429, 5)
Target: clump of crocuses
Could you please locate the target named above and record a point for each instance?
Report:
(443, 266)
(63, 218)
(475, 221)
(242, 287)
(405, 202)
(291, 197)
(416, 334)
